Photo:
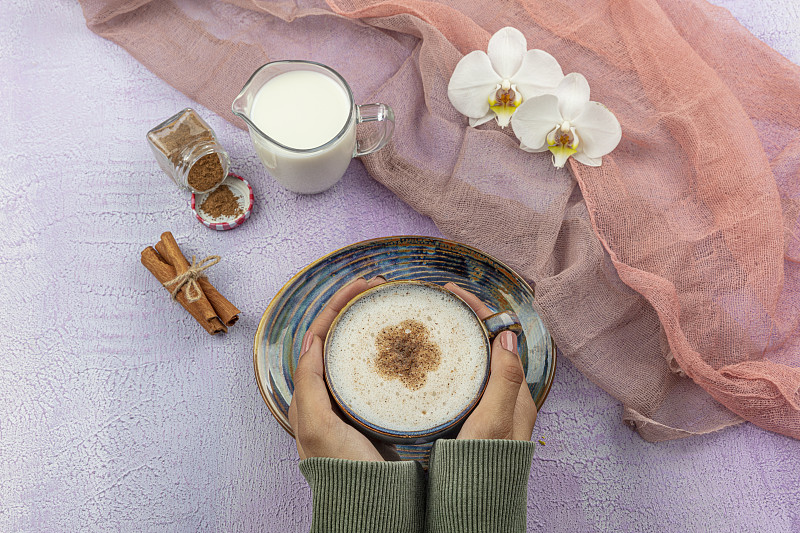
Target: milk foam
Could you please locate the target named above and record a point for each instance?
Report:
(385, 402)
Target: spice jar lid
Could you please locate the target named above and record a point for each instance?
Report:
(215, 208)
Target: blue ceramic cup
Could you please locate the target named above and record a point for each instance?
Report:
(483, 331)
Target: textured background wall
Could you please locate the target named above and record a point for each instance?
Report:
(118, 413)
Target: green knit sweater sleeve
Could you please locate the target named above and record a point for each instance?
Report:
(478, 486)
(369, 496)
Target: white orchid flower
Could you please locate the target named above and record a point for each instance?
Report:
(494, 84)
(567, 124)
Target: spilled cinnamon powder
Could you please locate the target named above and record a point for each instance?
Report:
(405, 352)
(222, 203)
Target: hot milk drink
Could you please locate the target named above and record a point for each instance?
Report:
(407, 357)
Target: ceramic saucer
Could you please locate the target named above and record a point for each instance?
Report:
(286, 319)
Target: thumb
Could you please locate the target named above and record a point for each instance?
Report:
(505, 380)
(310, 390)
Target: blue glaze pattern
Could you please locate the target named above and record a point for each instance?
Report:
(286, 319)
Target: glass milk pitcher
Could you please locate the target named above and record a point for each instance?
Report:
(293, 163)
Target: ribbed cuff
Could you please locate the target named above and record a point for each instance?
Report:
(478, 486)
(369, 496)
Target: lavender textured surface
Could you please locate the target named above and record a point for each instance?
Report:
(117, 412)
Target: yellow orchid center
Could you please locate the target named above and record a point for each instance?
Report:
(562, 142)
(504, 101)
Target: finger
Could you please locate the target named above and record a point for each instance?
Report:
(377, 280)
(293, 414)
(473, 301)
(324, 319)
(307, 340)
(500, 397)
(525, 409)
(293, 424)
(310, 392)
(524, 414)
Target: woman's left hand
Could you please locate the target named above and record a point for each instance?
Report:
(319, 429)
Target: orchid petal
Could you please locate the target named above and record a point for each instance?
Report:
(599, 130)
(506, 50)
(561, 154)
(526, 148)
(580, 157)
(539, 74)
(573, 95)
(475, 122)
(504, 114)
(535, 118)
(504, 102)
(472, 82)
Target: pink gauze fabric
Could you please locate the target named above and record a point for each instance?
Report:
(669, 276)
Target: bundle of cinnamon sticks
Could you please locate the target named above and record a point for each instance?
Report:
(211, 309)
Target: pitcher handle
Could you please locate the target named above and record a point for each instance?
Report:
(374, 113)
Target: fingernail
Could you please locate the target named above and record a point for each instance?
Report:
(308, 340)
(508, 340)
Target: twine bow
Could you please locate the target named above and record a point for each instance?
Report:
(190, 277)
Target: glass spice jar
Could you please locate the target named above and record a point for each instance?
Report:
(186, 148)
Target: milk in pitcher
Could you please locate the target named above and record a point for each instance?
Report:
(310, 114)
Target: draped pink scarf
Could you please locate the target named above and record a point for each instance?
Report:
(669, 275)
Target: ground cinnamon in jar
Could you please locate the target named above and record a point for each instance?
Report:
(206, 173)
(187, 129)
(186, 148)
(222, 203)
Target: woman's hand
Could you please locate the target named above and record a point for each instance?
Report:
(318, 427)
(506, 410)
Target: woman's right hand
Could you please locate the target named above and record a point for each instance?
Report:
(506, 410)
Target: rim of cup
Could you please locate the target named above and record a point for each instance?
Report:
(404, 436)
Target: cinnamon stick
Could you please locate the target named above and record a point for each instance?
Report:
(164, 272)
(169, 250)
(225, 310)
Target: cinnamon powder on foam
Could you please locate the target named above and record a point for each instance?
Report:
(406, 352)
